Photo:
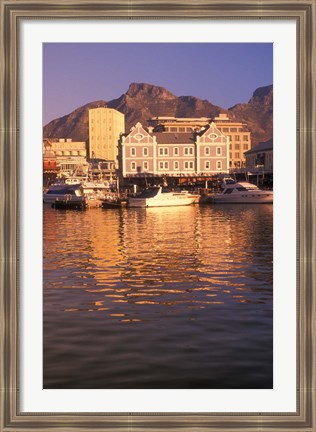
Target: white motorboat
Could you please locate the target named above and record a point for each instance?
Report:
(159, 196)
(63, 192)
(242, 193)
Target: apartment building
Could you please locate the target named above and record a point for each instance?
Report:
(150, 153)
(105, 127)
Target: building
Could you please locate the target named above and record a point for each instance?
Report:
(176, 154)
(50, 168)
(69, 154)
(239, 139)
(105, 127)
(179, 124)
(259, 164)
(260, 158)
(237, 132)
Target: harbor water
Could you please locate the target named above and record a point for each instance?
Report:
(158, 298)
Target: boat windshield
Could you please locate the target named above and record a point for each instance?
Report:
(149, 193)
(70, 190)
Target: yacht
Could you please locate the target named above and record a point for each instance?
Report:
(63, 192)
(242, 193)
(159, 196)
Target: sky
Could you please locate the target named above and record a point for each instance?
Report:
(75, 74)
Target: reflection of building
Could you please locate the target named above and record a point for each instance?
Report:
(173, 154)
(260, 157)
(237, 132)
(69, 154)
(105, 127)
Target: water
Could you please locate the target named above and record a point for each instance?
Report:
(168, 298)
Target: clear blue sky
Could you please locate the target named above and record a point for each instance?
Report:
(224, 73)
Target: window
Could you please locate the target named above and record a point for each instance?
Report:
(230, 137)
(133, 151)
(245, 146)
(245, 137)
(176, 165)
(239, 129)
(181, 129)
(188, 165)
(163, 151)
(237, 147)
(218, 151)
(237, 155)
(225, 129)
(233, 129)
(207, 151)
(176, 151)
(188, 151)
(230, 155)
(219, 165)
(145, 166)
(173, 129)
(163, 165)
(145, 151)
(237, 137)
(230, 146)
(133, 166)
(207, 165)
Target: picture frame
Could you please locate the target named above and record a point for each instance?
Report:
(12, 14)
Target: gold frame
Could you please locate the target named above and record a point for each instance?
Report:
(11, 14)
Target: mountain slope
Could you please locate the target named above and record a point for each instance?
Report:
(143, 101)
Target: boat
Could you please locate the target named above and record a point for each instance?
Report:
(63, 192)
(115, 203)
(241, 193)
(159, 196)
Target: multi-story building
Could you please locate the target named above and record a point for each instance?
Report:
(105, 127)
(237, 132)
(177, 154)
(69, 154)
(179, 124)
(239, 139)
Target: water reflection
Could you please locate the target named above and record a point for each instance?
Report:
(167, 266)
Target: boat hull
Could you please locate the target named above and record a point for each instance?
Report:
(161, 202)
(251, 199)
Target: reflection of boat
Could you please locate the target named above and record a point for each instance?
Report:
(64, 192)
(242, 193)
(159, 196)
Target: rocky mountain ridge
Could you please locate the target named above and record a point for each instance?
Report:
(143, 101)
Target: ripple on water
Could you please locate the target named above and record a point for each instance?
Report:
(158, 298)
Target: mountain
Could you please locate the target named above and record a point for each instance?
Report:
(143, 101)
(257, 113)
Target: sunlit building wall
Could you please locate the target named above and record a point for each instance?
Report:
(144, 152)
(105, 127)
(237, 132)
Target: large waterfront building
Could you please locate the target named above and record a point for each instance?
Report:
(105, 127)
(237, 132)
(68, 154)
(175, 154)
(239, 139)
